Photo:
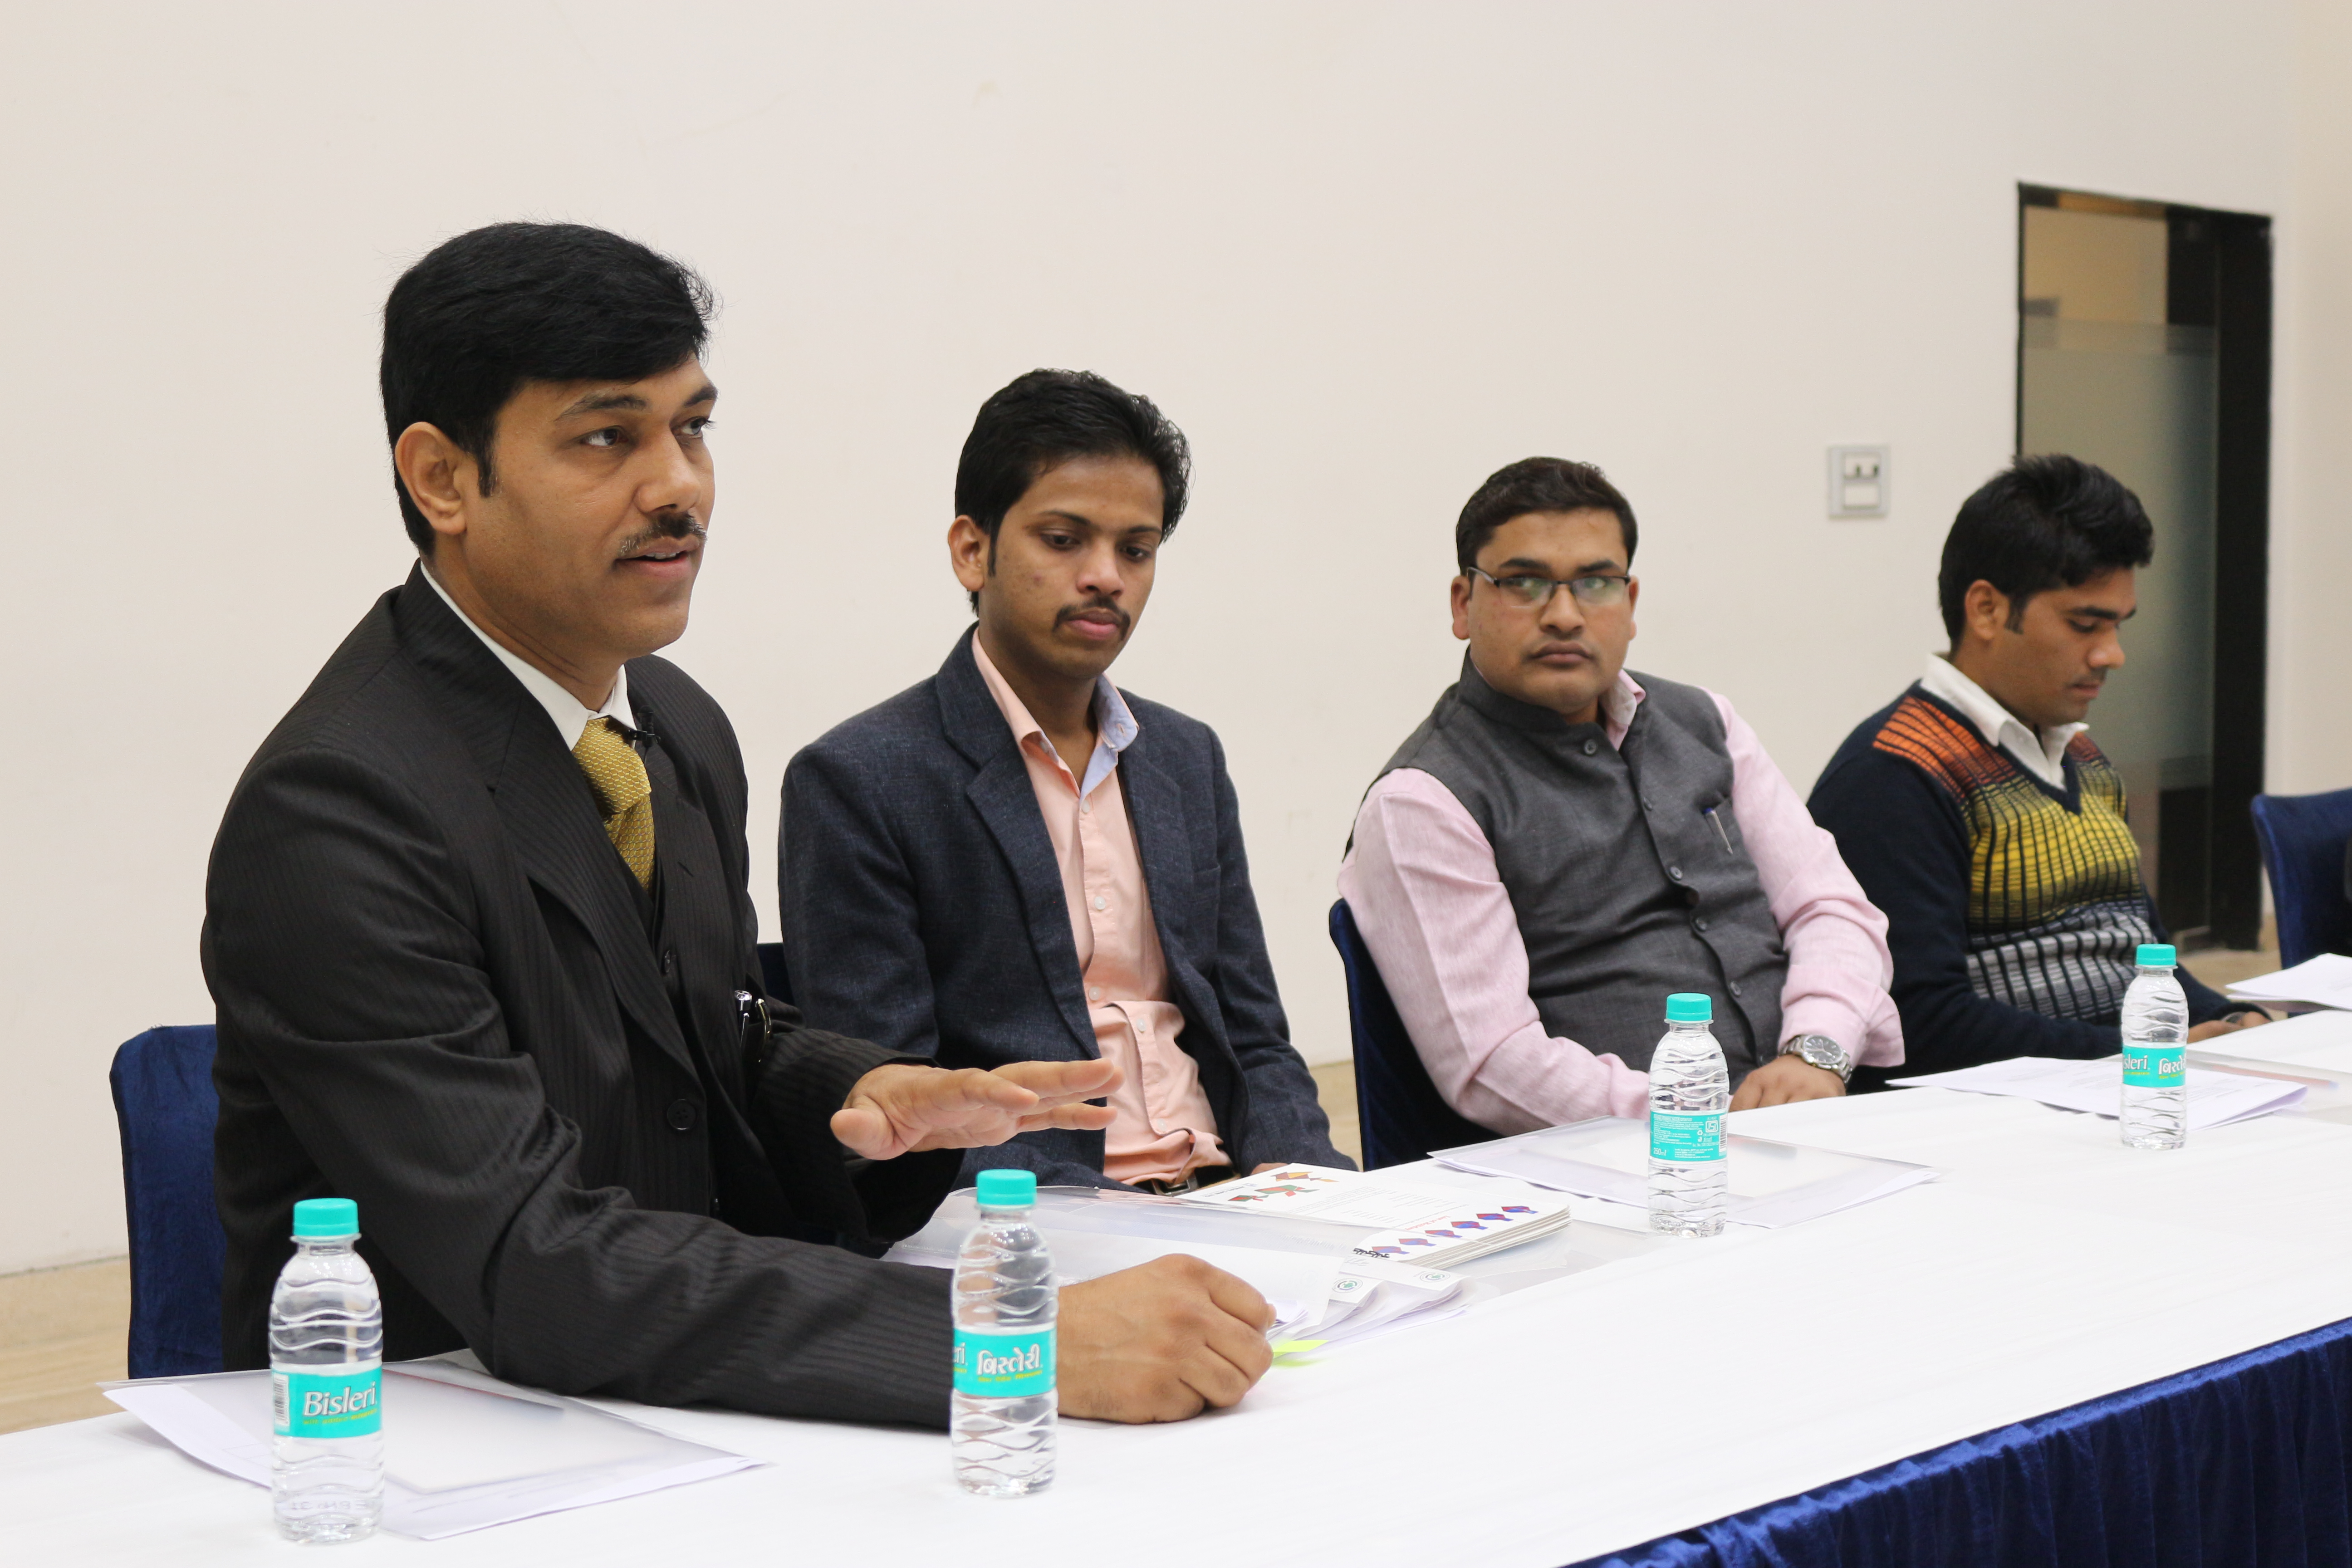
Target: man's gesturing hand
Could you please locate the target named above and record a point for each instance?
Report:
(897, 1110)
(1160, 1341)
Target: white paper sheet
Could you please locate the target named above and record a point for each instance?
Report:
(2326, 980)
(1771, 1184)
(2215, 1098)
(462, 1451)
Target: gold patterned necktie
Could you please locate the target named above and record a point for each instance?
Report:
(624, 794)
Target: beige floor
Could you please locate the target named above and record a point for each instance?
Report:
(62, 1330)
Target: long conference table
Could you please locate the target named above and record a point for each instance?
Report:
(2062, 1353)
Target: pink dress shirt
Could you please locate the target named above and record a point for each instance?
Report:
(1164, 1128)
(1421, 883)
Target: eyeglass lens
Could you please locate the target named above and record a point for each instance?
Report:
(1534, 593)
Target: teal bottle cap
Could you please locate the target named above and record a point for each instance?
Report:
(1007, 1189)
(2156, 955)
(326, 1217)
(1690, 1007)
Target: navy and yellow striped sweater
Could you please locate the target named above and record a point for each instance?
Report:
(2013, 908)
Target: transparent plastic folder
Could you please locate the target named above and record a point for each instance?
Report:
(462, 1451)
(1772, 1183)
(1096, 1230)
(1099, 1211)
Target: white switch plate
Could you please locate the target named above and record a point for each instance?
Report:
(1858, 481)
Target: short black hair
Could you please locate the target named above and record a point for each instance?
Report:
(1039, 421)
(1538, 484)
(483, 313)
(2039, 523)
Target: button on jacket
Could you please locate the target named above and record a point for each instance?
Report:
(443, 994)
(924, 908)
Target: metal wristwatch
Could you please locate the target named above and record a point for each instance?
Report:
(1820, 1051)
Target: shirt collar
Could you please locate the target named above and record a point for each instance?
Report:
(1115, 725)
(563, 710)
(1618, 705)
(2044, 754)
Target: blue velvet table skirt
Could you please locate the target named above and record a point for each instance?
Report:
(2244, 1461)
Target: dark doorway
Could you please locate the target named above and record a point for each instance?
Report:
(2144, 346)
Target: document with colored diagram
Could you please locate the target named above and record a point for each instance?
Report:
(1433, 1229)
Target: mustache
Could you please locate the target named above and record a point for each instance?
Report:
(674, 523)
(1072, 611)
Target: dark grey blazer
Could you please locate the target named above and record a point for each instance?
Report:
(922, 909)
(442, 993)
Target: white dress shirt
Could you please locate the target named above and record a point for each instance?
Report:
(563, 710)
(2041, 754)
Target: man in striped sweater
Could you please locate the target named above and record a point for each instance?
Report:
(1976, 812)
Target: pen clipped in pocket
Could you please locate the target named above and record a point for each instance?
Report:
(1717, 810)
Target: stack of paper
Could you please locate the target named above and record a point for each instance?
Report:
(1431, 1228)
(2326, 980)
(2215, 1098)
(1381, 1299)
(462, 1450)
(1772, 1183)
(2327, 1093)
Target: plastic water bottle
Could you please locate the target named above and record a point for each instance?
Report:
(2156, 1054)
(1005, 1303)
(1689, 1092)
(326, 1378)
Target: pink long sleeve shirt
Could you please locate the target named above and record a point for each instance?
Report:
(1422, 882)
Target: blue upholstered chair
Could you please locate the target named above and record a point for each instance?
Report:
(164, 1103)
(1400, 1115)
(2303, 838)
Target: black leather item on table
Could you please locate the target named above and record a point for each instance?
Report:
(1400, 1115)
(923, 908)
(165, 1108)
(442, 993)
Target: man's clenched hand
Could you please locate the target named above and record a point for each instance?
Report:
(897, 1110)
(1160, 1341)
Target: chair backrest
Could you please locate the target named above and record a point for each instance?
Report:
(778, 979)
(1400, 1115)
(164, 1103)
(2303, 838)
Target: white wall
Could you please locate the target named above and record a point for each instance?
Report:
(2311, 558)
(1363, 253)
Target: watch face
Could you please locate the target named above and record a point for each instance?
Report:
(1823, 1052)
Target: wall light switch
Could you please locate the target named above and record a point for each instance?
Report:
(1858, 481)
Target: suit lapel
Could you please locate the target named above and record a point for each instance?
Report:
(1155, 808)
(552, 822)
(544, 800)
(697, 913)
(1007, 803)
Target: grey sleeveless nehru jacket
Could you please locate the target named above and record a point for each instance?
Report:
(1626, 869)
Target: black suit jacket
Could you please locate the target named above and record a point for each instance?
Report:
(922, 909)
(441, 993)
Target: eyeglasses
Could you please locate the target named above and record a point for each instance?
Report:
(1594, 590)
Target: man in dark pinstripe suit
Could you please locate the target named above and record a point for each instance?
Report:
(477, 929)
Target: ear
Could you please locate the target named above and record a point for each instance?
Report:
(1984, 612)
(439, 475)
(1461, 598)
(1633, 599)
(968, 552)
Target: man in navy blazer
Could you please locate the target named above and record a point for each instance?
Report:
(1016, 860)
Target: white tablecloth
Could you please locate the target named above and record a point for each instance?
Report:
(1690, 1381)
